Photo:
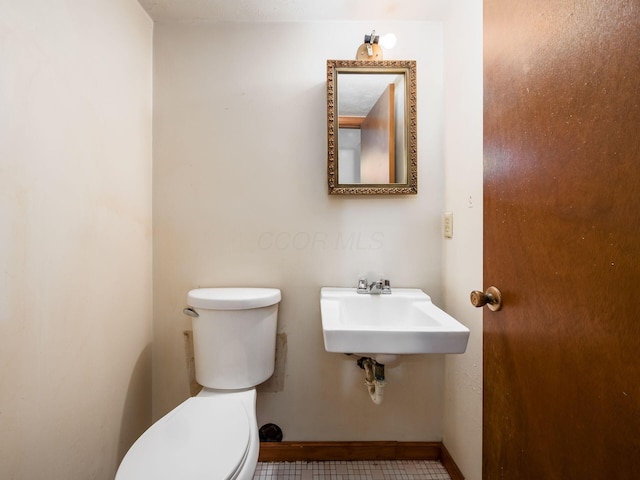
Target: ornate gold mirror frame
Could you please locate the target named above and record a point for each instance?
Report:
(400, 147)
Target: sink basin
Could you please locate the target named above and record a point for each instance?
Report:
(404, 322)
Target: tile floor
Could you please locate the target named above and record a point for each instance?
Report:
(371, 470)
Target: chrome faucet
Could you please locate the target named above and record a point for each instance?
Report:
(374, 288)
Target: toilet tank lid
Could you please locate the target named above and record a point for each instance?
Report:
(233, 298)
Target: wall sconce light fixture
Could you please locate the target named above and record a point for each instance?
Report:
(371, 48)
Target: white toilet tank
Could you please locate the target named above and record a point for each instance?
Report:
(234, 335)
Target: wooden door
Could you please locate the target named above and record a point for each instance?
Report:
(377, 141)
(562, 239)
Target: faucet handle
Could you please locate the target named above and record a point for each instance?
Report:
(386, 287)
(362, 285)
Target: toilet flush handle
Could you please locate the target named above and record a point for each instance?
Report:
(190, 312)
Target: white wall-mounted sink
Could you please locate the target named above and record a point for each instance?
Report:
(404, 322)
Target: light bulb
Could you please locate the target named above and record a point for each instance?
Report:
(388, 41)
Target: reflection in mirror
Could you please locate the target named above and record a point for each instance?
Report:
(371, 127)
(369, 140)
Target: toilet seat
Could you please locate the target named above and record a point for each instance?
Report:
(202, 438)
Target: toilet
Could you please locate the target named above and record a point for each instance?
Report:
(214, 435)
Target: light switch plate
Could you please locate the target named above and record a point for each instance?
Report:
(448, 224)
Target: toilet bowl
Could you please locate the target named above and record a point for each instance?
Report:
(214, 435)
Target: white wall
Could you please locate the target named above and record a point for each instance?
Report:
(462, 255)
(240, 199)
(75, 235)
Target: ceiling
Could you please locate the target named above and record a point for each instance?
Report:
(294, 10)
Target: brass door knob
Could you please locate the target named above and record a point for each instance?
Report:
(492, 298)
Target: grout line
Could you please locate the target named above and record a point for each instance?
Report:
(352, 470)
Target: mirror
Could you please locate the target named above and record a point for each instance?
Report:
(371, 125)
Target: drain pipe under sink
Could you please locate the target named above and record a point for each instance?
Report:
(373, 378)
